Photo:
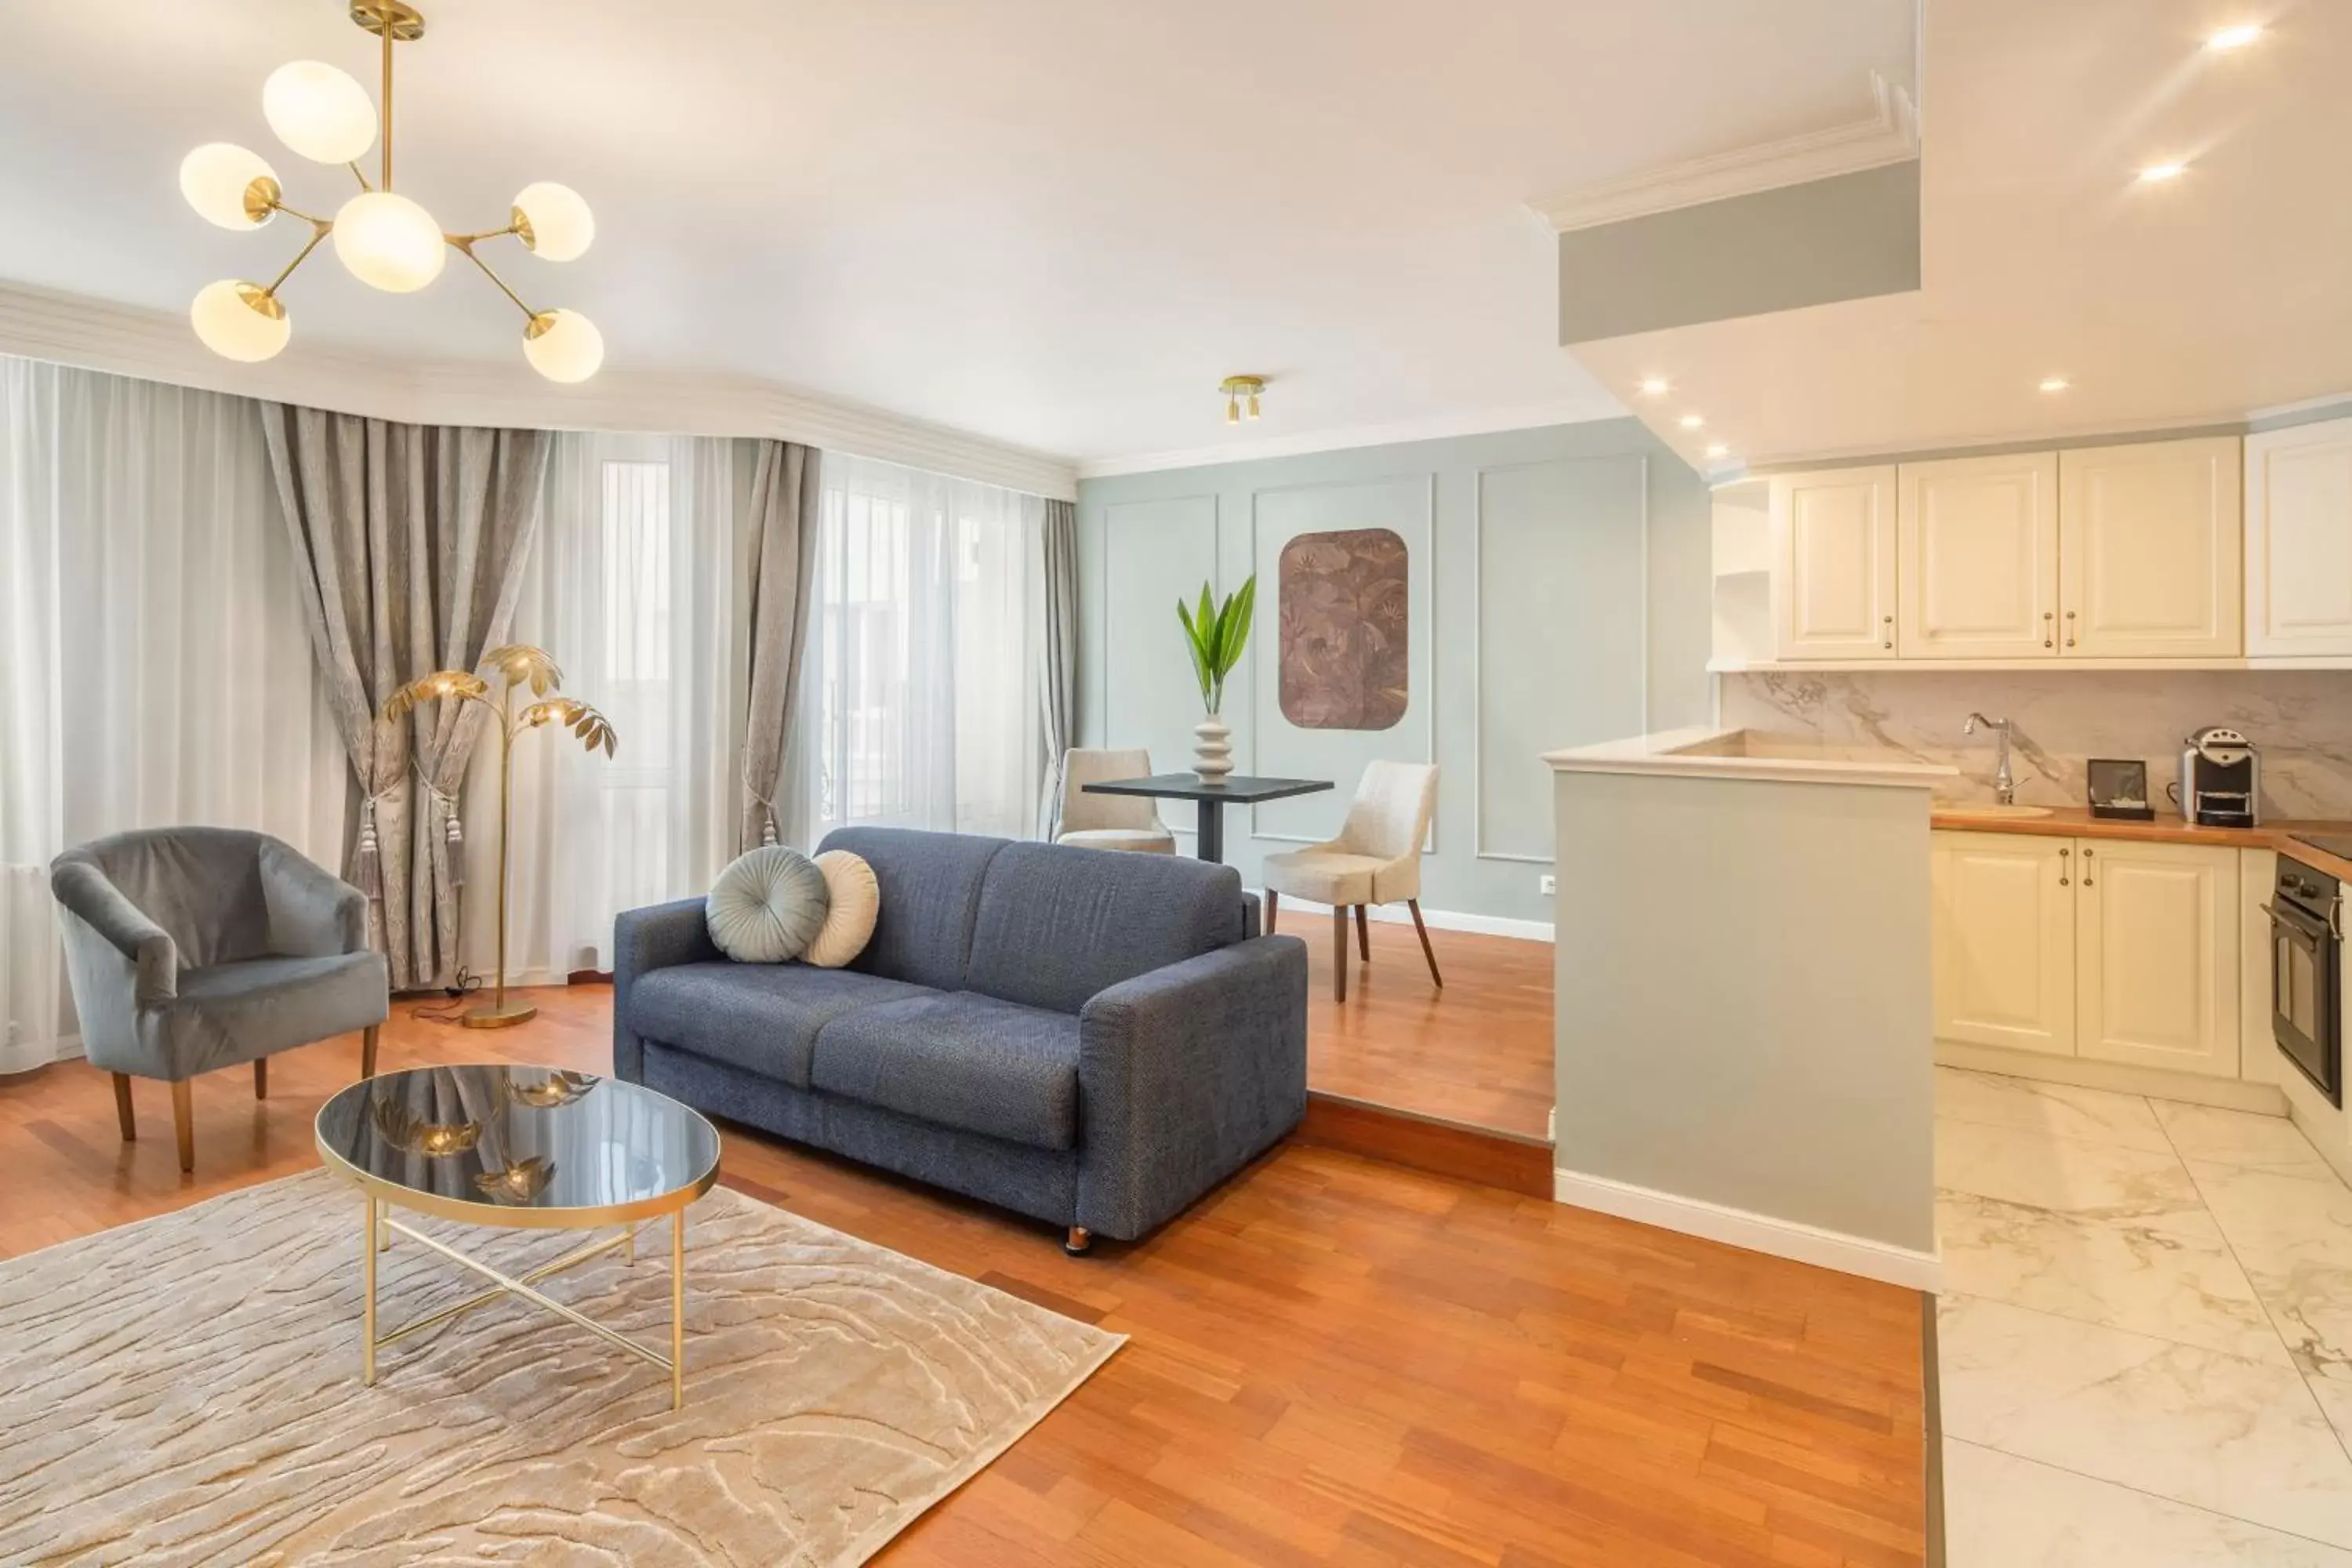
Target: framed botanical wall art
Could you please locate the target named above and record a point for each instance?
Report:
(1344, 631)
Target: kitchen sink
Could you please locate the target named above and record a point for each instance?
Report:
(1990, 811)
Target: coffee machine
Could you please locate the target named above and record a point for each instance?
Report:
(2220, 778)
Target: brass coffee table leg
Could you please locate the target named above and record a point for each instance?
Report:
(367, 1273)
(677, 1311)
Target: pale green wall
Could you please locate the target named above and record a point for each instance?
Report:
(1560, 595)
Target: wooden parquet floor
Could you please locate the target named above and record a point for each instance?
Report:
(1479, 1052)
(1333, 1361)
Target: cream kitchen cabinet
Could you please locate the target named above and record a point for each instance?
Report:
(1834, 563)
(2156, 956)
(2299, 540)
(1977, 559)
(2151, 551)
(2004, 941)
(2103, 949)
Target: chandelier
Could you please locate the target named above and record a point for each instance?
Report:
(386, 239)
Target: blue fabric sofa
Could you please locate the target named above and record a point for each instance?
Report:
(1092, 1038)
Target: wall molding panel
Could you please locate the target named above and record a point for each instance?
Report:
(1581, 551)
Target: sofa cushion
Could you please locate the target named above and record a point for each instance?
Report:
(761, 1017)
(929, 886)
(1056, 925)
(766, 905)
(960, 1059)
(852, 903)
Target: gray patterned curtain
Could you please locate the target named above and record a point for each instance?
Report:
(1059, 696)
(780, 544)
(412, 542)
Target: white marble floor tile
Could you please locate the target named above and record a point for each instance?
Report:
(2069, 1176)
(2293, 1237)
(2240, 1138)
(2178, 1282)
(2092, 1115)
(2219, 1432)
(2001, 1511)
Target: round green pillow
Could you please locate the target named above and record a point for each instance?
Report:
(767, 906)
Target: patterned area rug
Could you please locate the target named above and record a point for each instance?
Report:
(186, 1390)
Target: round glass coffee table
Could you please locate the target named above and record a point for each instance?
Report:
(527, 1147)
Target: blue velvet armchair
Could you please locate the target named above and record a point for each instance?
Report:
(194, 948)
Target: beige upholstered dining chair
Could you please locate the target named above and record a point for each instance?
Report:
(1111, 821)
(1376, 859)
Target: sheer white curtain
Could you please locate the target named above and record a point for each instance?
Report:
(637, 590)
(154, 670)
(918, 704)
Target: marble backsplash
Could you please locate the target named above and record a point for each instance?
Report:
(2300, 720)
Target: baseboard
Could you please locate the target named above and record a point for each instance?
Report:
(1486, 1155)
(1756, 1232)
(2120, 1078)
(1438, 919)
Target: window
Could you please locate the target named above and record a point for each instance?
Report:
(918, 704)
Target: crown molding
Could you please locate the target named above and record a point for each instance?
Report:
(155, 345)
(1888, 134)
(1531, 417)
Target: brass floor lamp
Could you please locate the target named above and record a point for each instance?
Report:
(517, 664)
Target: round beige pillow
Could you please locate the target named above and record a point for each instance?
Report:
(855, 903)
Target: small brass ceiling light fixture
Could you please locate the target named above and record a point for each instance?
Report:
(1237, 388)
(386, 239)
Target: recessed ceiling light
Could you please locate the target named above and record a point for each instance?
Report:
(1657, 387)
(1719, 449)
(1693, 421)
(2055, 383)
(2236, 37)
(2157, 173)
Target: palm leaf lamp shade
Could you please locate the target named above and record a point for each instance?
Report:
(516, 665)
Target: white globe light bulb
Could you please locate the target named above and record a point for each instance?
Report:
(237, 320)
(389, 242)
(563, 346)
(553, 221)
(319, 111)
(219, 178)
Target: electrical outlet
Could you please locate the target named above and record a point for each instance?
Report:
(1547, 884)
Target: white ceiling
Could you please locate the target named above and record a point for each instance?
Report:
(1053, 223)
(2224, 292)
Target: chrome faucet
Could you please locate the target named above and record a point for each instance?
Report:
(2004, 782)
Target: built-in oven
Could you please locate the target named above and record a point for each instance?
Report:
(2307, 947)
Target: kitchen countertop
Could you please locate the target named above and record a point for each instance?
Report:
(2076, 822)
(1706, 751)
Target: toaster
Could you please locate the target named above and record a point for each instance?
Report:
(2221, 777)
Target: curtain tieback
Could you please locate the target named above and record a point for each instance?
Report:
(453, 833)
(371, 867)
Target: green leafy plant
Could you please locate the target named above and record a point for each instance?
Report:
(1215, 635)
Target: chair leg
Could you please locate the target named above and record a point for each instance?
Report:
(1363, 934)
(1339, 952)
(261, 1077)
(367, 1051)
(1427, 950)
(1272, 903)
(184, 1123)
(122, 1107)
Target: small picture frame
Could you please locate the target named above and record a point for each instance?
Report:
(2119, 789)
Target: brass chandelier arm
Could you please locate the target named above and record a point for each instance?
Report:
(358, 173)
(320, 230)
(464, 245)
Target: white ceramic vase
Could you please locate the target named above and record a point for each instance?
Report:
(1213, 750)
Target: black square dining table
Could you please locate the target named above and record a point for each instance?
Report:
(1239, 789)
